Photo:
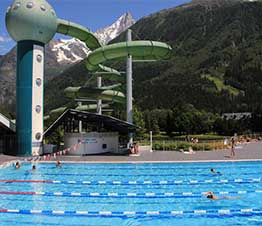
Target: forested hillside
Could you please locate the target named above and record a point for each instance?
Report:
(216, 62)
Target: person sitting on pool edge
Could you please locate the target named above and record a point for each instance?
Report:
(211, 195)
(58, 164)
(212, 170)
(190, 151)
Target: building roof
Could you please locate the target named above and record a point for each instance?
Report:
(6, 126)
(236, 115)
(107, 122)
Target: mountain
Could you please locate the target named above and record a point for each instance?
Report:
(212, 2)
(59, 56)
(73, 50)
(216, 64)
(107, 34)
(219, 3)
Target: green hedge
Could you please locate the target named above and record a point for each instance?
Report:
(201, 137)
(177, 146)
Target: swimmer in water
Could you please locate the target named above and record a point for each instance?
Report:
(17, 165)
(32, 170)
(214, 171)
(211, 195)
(58, 164)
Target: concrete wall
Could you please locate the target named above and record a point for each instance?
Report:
(92, 143)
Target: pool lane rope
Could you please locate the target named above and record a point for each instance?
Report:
(147, 182)
(127, 195)
(147, 166)
(173, 213)
(124, 175)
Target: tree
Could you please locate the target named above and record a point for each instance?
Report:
(139, 121)
(169, 124)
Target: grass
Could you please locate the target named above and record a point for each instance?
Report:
(175, 137)
(184, 146)
(162, 142)
(220, 84)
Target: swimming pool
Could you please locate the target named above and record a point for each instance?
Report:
(131, 194)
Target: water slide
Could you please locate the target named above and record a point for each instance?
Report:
(55, 113)
(140, 50)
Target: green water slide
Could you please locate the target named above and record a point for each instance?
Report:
(95, 93)
(140, 50)
(55, 113)
(77, 31)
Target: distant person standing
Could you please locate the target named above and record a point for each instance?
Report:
(225, 141)
(136, 148)
(131, 150)
(233, 146)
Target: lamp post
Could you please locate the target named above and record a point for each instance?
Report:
(151, 141)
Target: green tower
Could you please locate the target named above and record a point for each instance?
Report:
(32, 24)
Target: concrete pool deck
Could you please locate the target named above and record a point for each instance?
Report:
(249, 152)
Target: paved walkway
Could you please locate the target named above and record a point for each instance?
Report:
(6, 158)
(252, 151)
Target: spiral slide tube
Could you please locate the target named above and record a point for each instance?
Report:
(140, 50)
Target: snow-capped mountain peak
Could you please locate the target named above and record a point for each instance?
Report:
(73, 50)
(109, 33)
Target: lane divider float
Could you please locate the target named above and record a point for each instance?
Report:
(128, 195)
(173, 213)
(147, 182)
(143, 167)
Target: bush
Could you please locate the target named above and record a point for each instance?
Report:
(177, 146)
(204, 137)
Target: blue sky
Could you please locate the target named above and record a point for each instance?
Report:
(94, 14)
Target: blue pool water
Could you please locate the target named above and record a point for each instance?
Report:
(131, 194)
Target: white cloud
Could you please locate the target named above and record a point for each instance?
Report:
(4, 39)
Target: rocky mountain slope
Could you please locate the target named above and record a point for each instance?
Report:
(107, 34)
(218, 3)
(216, 63)
(73, 50)
(59, 55)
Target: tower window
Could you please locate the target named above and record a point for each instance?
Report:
(30, 5)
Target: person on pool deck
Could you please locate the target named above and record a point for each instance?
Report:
(58, 164)
(233, 146)
(190, 151)
(211, 195)
(214, 171)
(17, 165)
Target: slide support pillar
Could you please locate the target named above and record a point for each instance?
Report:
(29, 97)
(129, 91)
(80, 126)
(99, 102)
